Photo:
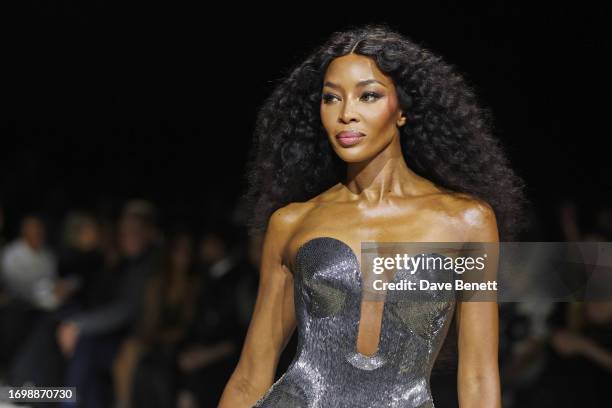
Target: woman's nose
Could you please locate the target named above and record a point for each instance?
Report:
(347, 114)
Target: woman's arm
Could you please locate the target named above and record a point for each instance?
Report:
(271, 325)
(478, 383)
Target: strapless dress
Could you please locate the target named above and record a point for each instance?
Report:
(327, 370)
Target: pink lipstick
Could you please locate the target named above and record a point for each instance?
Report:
(349, 138)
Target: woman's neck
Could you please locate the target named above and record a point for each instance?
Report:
(383, 176)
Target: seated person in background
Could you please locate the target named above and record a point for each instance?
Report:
(39, 360)
(32, 290)
(29, 268)
(144, 371)
(91, 339)
(215, 338)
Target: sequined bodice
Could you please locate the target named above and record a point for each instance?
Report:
(327, 370)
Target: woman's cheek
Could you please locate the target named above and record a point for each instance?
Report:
(381, 116)
(325, 119)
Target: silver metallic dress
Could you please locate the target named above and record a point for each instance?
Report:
(327, 370)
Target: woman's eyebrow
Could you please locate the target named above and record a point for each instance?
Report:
(360, 83)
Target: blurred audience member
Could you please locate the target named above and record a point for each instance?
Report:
(579, 369)
(39, 360)
(145, 370)
(6, 342)
(81, 259)
(216, 335)
(145, 210)
(577, 350)
(572, 224)
(29, 268)
(246, 290)
(31, 287)
(90, 339)
(1, 226)
(592, 343)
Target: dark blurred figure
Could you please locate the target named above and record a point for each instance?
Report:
(1, 226)
(29, 267)
(524, 330)
(39, 360)
(578, 227)
(82, 260)
(145, 370)
(5, 343)
(575, 358)
(32, 288)
(215, 338)
(579, 366)
(91, 339)
(247, 287)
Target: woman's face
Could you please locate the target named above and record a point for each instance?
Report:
(357, 96)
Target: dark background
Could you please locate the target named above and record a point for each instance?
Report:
(110, 100)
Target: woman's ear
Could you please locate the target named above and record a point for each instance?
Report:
(402, 120)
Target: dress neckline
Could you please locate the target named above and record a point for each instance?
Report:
(323, 237)
(356, 358)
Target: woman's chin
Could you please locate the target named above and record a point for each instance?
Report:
(353, 155)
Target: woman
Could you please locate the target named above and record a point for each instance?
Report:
(371, 138)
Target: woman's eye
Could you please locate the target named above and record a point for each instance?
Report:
(327, 98)
(368, 97)
(371, 96)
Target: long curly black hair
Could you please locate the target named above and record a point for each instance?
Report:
(447, 138)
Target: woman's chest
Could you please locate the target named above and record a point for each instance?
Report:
(356, 228)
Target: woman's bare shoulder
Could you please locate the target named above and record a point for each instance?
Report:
(284, 223)
(294, 212)
(461, 202)
(290, 214)
(286, 220)
(466, 211)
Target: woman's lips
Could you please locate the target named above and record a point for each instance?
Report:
(349, 138)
